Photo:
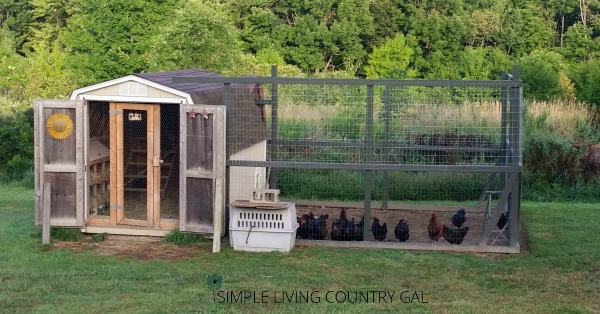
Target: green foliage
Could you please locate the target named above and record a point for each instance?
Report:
(66, 234)
(199, 35)
(183, 238)
(391, 60)
(16, 141)
(109, 39)
(540, 81)
(586, 78)
(99, 237)
(580, 44)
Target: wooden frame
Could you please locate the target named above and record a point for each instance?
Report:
(117, 191)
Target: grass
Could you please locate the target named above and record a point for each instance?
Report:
(560, 275)
(181, 238)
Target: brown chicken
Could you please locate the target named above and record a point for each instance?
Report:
(434, 228)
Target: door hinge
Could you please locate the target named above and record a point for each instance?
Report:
(116, 111)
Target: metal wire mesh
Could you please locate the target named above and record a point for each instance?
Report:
(383, 149)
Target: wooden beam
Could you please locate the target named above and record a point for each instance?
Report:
(218, 215)
(134, 231)
(46, 214)
(157, 173)
(113, 164)
(412, 246)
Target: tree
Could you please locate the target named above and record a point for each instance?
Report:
(586, 78)
(541, 80)
(107, 39)
(486, 26)
(15, 17)
(49, 19)
(200, 35)
(525, 29)
(391, 60)
(579, 44)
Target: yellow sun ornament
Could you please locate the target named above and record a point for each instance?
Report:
(59, 126)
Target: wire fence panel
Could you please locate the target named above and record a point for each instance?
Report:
(358, 154)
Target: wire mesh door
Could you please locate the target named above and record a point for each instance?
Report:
(136, 147)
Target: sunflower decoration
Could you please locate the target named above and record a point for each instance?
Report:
(214, 282)
(59, 126)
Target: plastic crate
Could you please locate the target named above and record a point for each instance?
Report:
(256, 228)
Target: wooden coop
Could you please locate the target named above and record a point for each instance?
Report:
(141, 155)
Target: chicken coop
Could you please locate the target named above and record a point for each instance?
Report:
(403, 164)
(142, 155)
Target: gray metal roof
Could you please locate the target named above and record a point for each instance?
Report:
(246, 121)
(166, 78)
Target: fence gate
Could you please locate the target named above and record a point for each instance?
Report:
(58, 154)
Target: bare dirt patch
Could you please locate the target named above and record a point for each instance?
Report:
(143, 248)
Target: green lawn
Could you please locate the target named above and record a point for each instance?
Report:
(560, 275)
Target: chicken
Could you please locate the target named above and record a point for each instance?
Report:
(318, 227)
(379, 231)
(335, 231)
(359, 230)
(434, 228)
(459, 218)
(303, 232)
(401, 230)
(345, 226)
(454, 236)
(502, 221)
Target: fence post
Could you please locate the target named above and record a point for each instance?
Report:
(516, 138)
(386, 148)
(274, 144)
(369, 161)
(47, 194)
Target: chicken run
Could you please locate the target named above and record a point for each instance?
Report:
(410, 226)
(391, 143)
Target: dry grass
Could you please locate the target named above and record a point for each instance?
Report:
(561, 117)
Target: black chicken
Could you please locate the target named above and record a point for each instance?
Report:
(379, 231)
(303, 232)
(318, 227)
(401, 231)
(454, 236)
(459, 218)
(502, 221)
(335, 231)
(359, 230)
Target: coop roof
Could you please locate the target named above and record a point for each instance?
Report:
(158, 87)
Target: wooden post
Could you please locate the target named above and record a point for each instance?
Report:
(218, 215)
(46, 213)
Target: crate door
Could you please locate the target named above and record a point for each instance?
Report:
(59, 161)
(202, 155)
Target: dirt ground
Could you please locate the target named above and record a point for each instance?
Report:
(144, 248)
(417, 222)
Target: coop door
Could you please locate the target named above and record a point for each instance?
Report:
(202, 162)
(59, 167)
(135, 164)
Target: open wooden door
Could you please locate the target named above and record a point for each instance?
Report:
(202, 156)
(59, 161)
(135, 164)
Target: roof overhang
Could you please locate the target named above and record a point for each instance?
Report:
(132, 92)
